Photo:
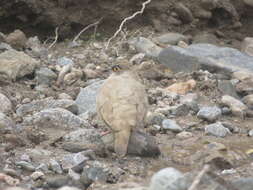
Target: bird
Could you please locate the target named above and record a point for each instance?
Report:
(122, 104)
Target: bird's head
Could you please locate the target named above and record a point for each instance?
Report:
(121, 67)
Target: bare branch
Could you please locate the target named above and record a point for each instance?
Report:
(55, 39)
(86, 28)
(198, 177)
(126, 19)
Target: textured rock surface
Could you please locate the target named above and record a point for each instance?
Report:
(205, 56)
(15, 64)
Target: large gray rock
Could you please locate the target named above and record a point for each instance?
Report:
(15, 64)
(146, 46)
(56, 118)
(207, 57)
(86, 99)
(47, 103)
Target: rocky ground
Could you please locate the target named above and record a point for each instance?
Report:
(200, 90)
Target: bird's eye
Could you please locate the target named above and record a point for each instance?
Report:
(116, 68)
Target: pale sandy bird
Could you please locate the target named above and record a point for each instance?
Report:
(122, 104)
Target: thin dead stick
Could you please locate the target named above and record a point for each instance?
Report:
(55, 39)
(198, 177)
(86, 28)
(126, 19)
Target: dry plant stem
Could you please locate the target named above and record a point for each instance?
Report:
(86, 28)
(198, 177)
(55, 39)
(126, 19)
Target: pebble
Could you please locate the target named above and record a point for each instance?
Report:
(55, 166)
(236, 106)
(209, 113)
(72, 161)
(73, 175)
(248, 100)
(26, 166)
(217, 129)
(184, 13)
(37, 175)
(171, 125)
(68, 188)
(62, 61)
(64, 96)
(6, 123)
(57, 181)
(155, 118)
(171, 38)
(25, 157)
(165, 179)
(184, 135)
(42, 167)
(179, 110)
(226, 111)
(45, 76)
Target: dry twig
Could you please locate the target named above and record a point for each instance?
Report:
(125, 20)
(55, 39)
(86, 28)
(198, 177)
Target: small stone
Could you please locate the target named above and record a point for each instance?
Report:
(155, 118)
(209, 113)
(91, 74)
(250, 133)
(25, 157)
(57, 181)
(73, 175)
(55, 166)
(42, 167)
(16, 39)
(236, 106)
(45, 76)
(73, 161)
(137, 58)
(171, 125)
(68, 188)
(26, 100)
(94, 174)
(179, 110)
(26, 166)
(37, 175)
(166, 179)
(6, 105)
(171, 38)
(232, 127)
(226, 111)
(190, 100)
(182, 87)
(217, 129)
(184, 13)
(64, 96)
(144, 45)
(205, 37)
(245, 87)
(64, 61)
(184, 135)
